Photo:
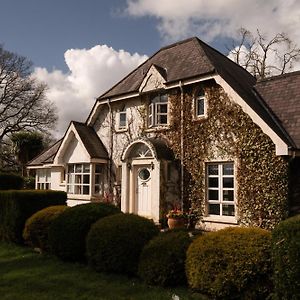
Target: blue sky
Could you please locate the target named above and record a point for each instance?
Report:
(80, 48)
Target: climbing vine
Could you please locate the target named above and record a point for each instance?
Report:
(227, 133)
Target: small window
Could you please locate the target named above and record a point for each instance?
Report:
(122, 119)
(200, 104)
(220, 189)
(158, 111)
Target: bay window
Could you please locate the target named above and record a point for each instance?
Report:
(79, 179)
(220, 189)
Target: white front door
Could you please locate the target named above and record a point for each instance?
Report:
(143, 191)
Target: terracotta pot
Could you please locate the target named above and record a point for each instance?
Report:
(176, 223)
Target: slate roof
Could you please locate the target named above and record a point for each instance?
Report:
(91, 141)
(191, 58)
(47, 156)
(282, 95)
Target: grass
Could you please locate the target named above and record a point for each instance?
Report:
(27, 275)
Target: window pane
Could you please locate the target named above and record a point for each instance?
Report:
(213, 169)
(78, 179)
(71, 168)
(200, 106)
(122, 119)
(86, 179)
(213, 182)
(162, 119)
(213, 195)
(214, 209)
(228, 195)
(228, 169)
(86, 168)
(227, 210)
(78, 168)
(77, 189)
(162, 108)
(228, 182)
(98, 169)
(86, 190)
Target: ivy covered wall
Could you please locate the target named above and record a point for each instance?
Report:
(229, 134)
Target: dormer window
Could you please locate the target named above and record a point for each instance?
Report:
(158, 111)
(200, 104)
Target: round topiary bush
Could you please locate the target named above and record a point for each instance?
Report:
(286, 259)
(67, 234)
(162, 261)
(36, 228)
(233, 263)
(114, 243)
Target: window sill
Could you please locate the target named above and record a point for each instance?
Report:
(157, 128)
(219, 219)
(121, 130)
(78, 197)
(199, 118)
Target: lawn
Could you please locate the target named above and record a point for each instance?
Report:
(26, 275)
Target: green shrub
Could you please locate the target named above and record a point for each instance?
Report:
(11, 182)
(17, 206)
(67, 233)
(114, 243)
(233, 263)
(163, 258)
(286, 259)
(35, 233)
(29, 183)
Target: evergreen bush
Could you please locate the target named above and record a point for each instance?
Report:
(114, 243)
(67, 233)
(286, 259)
(162, 261)
(233, 263)
(35, 233)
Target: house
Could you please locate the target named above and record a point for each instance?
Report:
(187, 128)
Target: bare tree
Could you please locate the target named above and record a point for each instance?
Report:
(23, 105)
(263, 56)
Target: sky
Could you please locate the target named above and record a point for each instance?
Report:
(80, 48)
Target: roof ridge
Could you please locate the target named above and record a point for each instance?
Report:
(275, 77)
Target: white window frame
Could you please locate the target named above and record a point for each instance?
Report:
(43, 179)
(220, 189)
(98, 189)
(120, 126)
(154, 113)
(200, 96)
(76, 180)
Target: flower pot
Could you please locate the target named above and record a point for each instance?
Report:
(176, 223)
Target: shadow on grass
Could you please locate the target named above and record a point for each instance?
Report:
(28, 276)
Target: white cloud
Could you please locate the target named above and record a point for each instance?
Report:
(209, 20)
(91, 72)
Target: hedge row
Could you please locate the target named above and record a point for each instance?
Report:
(11, 182)
(17, 206)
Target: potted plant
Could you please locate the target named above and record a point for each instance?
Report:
(177, 218)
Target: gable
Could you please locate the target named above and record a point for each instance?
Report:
(153, 80)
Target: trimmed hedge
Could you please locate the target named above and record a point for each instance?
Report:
(162, 261)
(286, 258)
(233, 263)
(17, 206)
(35, 233)
(11, 182)
(67, 233)
(114, 244)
